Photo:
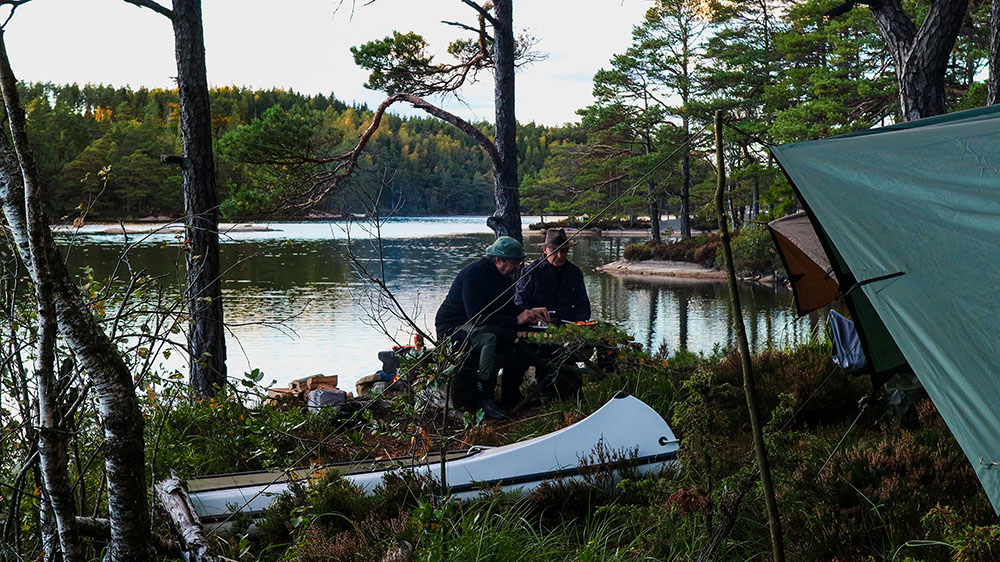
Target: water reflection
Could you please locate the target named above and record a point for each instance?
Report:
(301, 277)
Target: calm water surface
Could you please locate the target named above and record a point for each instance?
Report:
(297, 308)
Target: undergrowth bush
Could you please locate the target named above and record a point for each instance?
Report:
(195, 436)
(753, 252)
(700, 249)
(637, 252)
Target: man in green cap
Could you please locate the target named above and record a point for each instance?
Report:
(480, 311)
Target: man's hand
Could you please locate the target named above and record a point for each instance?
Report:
(534, 316)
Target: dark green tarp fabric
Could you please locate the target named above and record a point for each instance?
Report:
(913, 213)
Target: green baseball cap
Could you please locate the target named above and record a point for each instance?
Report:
(507, 248)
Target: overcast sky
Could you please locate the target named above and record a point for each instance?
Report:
(304, 45)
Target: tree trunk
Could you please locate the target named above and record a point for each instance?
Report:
(120, 416)
(685, 217)
(52, 443)
(206, 332)
(654, 203)
(506, 220)
(52, 454)
(993, 93)
(921, 56)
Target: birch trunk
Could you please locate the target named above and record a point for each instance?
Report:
(175, 500)
(53, 457)
(120, 416)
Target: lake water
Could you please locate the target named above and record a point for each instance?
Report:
(296, 307)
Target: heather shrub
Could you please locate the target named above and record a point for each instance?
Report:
(637, 252)
(824, 395)
(705, 254)
(685, 249)
(964, 541)
(851, 483)
(867, 496)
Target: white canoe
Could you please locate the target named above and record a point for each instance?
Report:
(625, 425)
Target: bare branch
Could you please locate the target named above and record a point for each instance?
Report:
(483, 12)
(610, 180)
(464, 26)
(162, 10)
(13, 6)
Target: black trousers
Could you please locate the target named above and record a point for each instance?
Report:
(485, 349)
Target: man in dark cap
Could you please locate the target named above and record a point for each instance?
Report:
(480, 311)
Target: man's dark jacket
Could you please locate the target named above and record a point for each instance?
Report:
(557, 288)
(481, 292)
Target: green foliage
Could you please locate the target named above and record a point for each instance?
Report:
(833, 81)
(274, 156)
(270, 143)
(221, 434)
(846, 476)
(965, 541)
(753, 252)
(398, 64)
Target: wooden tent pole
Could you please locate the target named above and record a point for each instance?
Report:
(749, 386)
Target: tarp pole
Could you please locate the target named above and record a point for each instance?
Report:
(749, 386)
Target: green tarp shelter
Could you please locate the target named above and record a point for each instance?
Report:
(910, 218)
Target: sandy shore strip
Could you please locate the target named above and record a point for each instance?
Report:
(678, 269)
(611, 233)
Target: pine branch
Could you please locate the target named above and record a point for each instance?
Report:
(162, 10)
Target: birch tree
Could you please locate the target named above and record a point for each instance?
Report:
(61, 305)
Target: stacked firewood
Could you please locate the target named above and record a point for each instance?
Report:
(297, 391)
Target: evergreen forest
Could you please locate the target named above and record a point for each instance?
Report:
(99, 149)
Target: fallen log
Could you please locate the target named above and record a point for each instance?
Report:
(176, 502)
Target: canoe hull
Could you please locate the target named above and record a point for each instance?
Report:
(625, 430)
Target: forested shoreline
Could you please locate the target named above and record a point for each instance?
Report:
(99, 148)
